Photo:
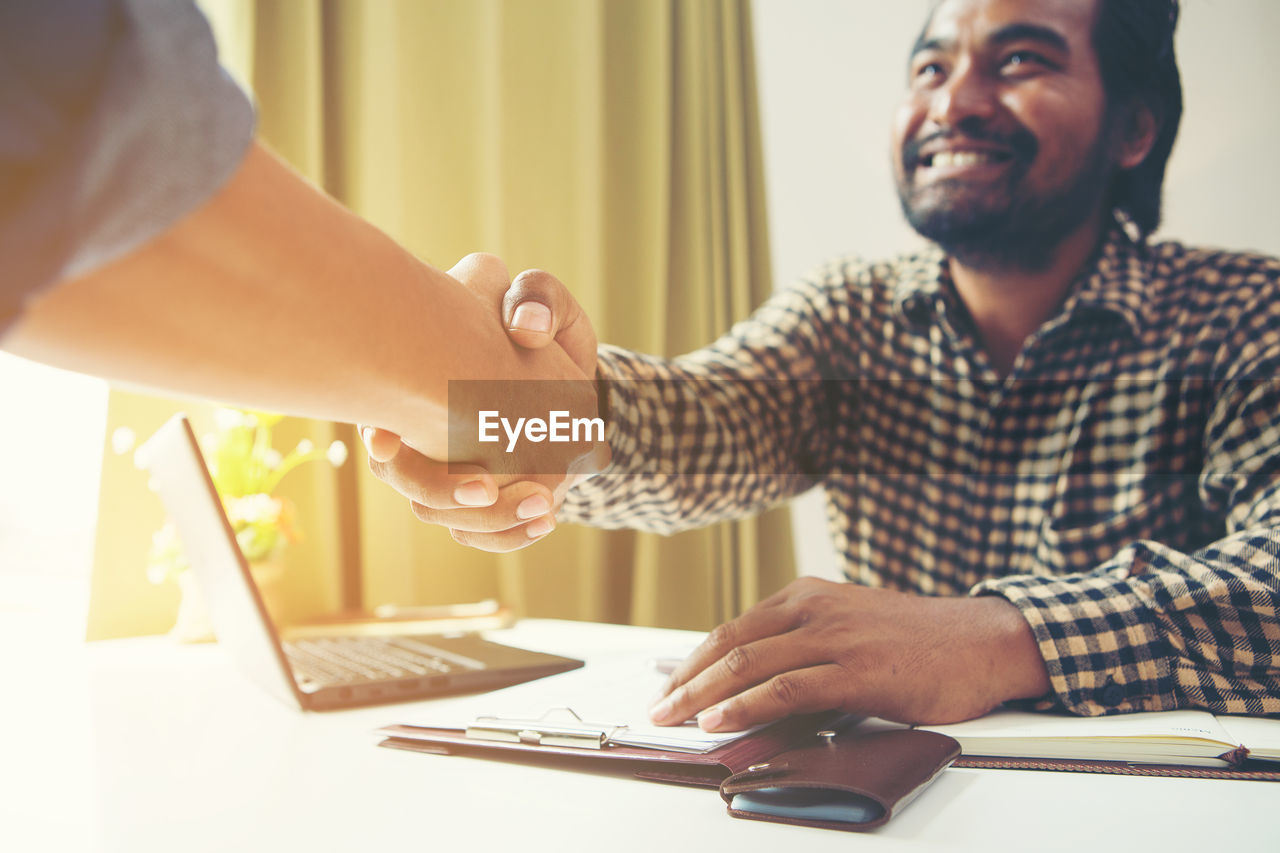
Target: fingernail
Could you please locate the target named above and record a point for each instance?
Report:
(365, 433)
(541, 527)
(532, 507)
(472, 494)
(659, 713)
(531, 317)
(710, 719)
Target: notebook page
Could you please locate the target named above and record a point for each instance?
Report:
(1260, 735)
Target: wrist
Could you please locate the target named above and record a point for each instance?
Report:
(1015, 666)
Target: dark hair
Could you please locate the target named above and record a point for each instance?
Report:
(1134, 43)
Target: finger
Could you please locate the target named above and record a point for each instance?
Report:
(436, 484)
(538, 309)
(741, 668)
(507, 540)
(535, 306)
(381, 444)
(517, 505)
(531, 324)
(763, 620)
(797, 691)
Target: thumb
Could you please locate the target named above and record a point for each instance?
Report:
(538, 309)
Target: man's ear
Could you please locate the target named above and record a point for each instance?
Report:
(1138, 132)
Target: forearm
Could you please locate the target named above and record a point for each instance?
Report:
(1156, 629)
(274, 296)
(1159, 627)
(697, 441)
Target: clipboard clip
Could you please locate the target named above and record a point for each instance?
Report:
(545, 731)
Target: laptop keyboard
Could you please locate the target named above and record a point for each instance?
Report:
(342, 660)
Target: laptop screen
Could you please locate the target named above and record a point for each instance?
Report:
(179, 476)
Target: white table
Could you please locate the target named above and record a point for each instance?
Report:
(147, 745)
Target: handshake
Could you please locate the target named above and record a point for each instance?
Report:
(515, 447)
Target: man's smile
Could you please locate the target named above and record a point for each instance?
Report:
(960, 164)
(945, 159)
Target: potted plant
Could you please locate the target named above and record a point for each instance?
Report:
(247, 470)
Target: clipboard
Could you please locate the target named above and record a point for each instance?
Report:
(812, 770)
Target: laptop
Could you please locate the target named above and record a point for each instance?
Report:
(317, 673)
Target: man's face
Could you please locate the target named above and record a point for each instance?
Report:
(1000, 148)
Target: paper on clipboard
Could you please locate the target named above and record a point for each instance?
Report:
(613, 694)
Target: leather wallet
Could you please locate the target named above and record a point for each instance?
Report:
(859, 779)
(851, 781)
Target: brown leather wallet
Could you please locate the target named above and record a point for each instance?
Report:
(851, 781)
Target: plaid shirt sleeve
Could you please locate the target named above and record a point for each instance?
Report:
(724, 432)
(1155, 628)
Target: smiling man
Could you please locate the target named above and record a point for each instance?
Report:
(1050, 446)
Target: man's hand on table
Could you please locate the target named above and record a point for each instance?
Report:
(818, 646)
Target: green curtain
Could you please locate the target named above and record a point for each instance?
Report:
(612, 142)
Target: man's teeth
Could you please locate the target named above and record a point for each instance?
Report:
(944, 159)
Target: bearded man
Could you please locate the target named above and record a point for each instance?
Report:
(1050, 446)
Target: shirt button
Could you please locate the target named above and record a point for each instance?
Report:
(1111, 695)
(917, 311)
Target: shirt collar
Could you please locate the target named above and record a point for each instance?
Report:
(1116, 281)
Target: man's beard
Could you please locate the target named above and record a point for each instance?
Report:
(1005, 227)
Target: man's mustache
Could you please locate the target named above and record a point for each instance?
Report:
(1021, 143)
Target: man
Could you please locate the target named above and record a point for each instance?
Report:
(1051, 449)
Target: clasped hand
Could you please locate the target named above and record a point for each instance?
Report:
(481, 506)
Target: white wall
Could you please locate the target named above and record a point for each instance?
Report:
(832, 72)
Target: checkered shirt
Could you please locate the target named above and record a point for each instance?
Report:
(1121, 486)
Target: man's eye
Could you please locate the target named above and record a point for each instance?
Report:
(928, 71)
(1023, 61)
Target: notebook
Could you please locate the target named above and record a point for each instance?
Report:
(317, 673)
(1187, 738)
